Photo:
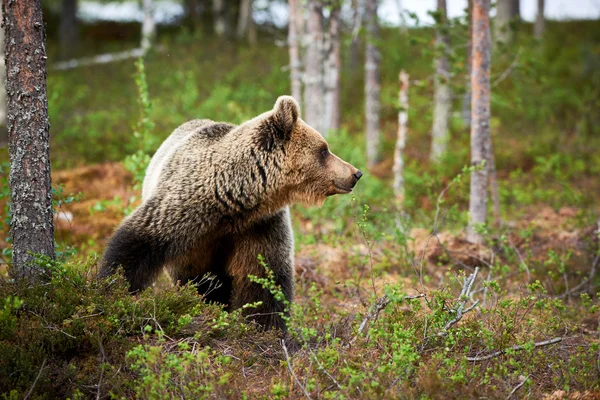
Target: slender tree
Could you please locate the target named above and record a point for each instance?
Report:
(331, 97)
(32, 228)
(372, 85)
(2, 85)
(294, 31)
(220, 17)
(148, 25)
(401, 139)
(466, 106)
(507, 11)
(68, 31)
(481, 144)
(313, 67)
(540, 21)
(443, 93)
(245, 27)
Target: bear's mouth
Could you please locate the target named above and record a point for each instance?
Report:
(343, 189)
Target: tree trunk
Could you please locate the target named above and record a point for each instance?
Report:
(443, 94)
(294, 46)
(401, 140)
(313, 72)
(68, 31)
(480, 110)
(148, 25)
(372, 86)
(2, 86)
(540, 22)
(331, 106)
(31, 225)
(494, 190)
(245, 26)
(466, 106)
(507, 11)
(220, 17)
(354, 45)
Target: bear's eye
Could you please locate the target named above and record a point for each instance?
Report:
(324, 152)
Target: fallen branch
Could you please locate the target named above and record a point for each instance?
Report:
(99, 59)
(36, 379)
(289, 364)
(518, 386)
(374, 314)
(464, 296)
(514, 348)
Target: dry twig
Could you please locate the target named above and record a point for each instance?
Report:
(36, 379)
(514, 348)
(289, 364)
(464, 297)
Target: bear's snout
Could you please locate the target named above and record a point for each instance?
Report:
(357, 175)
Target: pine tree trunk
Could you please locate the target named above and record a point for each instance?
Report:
(69, 29)
(2, 85)
(372, 85)
(466, 106)
(354, 45)
(331, 106)
(32, 226)
(313, 70)
(540, 21)
(294, 46)
(443, 94)
(148, 25)
(480, 110)
(401, 139)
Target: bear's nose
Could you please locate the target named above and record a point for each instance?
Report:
(357, 175)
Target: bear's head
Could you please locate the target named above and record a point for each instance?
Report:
(309, 170)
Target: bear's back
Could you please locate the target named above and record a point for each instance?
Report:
(199, 132)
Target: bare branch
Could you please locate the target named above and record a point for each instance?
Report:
(523, 380)
(289, 364)
(514, 348)
(36, 379)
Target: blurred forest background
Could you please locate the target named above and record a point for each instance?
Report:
(396, 296)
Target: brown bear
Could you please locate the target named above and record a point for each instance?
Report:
(216, 196)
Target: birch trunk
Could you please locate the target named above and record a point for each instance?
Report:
(540, 21)
(32, 228)
(505, 13)
(220, 17)
(331, 106)
(245, 27)
(68, 31)
(356, 24)
(401, 139)
(372, 87)
(466, 106)
(313, 72)
(148, 25)
(294, 47)
(480, 110)
(443, 94)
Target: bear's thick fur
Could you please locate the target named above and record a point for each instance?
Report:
(216, 196)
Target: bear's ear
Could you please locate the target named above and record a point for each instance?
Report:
(285, 115)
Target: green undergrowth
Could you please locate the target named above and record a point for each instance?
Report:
(76, 337)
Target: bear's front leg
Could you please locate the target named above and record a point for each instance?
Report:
(272, 238)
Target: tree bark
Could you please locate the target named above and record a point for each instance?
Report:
(540, 21)
(313, 72)
(354, 44)
(507, 11)
(294, 47)
(401, 139)
(443, 94)
(480, 110)
(69, 29)
(372, 85)
(148, 25)
(466, 106)
(331, 112)
(2, 84)
(32, 226)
